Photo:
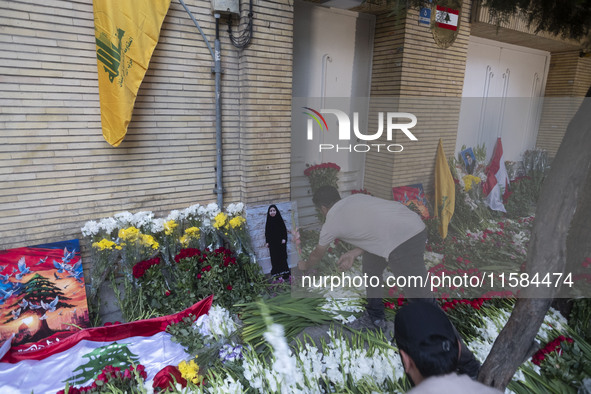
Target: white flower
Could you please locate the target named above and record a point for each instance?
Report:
(284, 366)
(227, 386)
(124, 219)
(217, 324)
(90, 229)
(108, 225)
(157, 225)
(202, 324)
(142, 219)
(192, 211)
(553, 322)
(212, 210)
(235, 209)
(173, 215)
(252, 371)
(148, 388)
(432, 258)
(341, 307)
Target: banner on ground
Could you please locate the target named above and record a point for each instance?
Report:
(77, 358)
(126, 34)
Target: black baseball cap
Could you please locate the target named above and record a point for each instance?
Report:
(422, 326)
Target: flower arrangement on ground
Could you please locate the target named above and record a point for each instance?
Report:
(137, 252)
(259, 339)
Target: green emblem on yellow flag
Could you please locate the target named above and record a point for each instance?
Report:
(445, 191)
(126, 33)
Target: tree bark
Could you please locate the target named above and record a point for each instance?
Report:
(561, 191)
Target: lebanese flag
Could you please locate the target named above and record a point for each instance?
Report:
(447, 18)
(497, 179)
(45, 366)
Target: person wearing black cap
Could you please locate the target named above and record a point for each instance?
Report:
(430, 350)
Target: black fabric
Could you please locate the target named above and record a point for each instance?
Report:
(275, 232)
(408, 260)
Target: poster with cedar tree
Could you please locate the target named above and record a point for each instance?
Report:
(42, 292)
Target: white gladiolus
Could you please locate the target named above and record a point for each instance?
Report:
(227, 385)
(553, 321)
(284, 364)
(338, 307)
(252, 372)
(216, 324)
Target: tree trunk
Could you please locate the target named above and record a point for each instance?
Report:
(560, 193)
(43, 332)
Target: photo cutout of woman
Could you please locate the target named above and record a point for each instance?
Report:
(276, 241)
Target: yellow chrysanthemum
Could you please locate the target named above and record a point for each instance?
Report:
(193, 232)
(190, 371)
(104, 244)
(220, 220)
(185, 240)
(130, 234)
(148, 240)
(469, 181)
(190, 234)
(169, 227)
(237, 222)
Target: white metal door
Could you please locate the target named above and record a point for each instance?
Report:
(331, 66)
(503, 86)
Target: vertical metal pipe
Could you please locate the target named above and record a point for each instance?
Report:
(218, 112)
(217, 70)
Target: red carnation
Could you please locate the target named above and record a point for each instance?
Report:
(229, 287)
(140, 268)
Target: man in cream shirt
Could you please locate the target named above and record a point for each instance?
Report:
(386, 234)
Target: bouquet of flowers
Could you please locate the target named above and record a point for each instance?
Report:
(324, 174)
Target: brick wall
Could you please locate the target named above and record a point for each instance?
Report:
(265, 91)
(56, 170)
(569, 78)
(414, 66)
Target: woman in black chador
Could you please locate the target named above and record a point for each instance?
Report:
(276, 238)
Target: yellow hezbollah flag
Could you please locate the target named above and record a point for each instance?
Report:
(445, 191)
(126, 33)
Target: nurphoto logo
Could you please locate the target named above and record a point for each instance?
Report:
(402, 121)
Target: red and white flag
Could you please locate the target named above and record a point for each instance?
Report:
(497, 179)
(45, 366)
(447, 18)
